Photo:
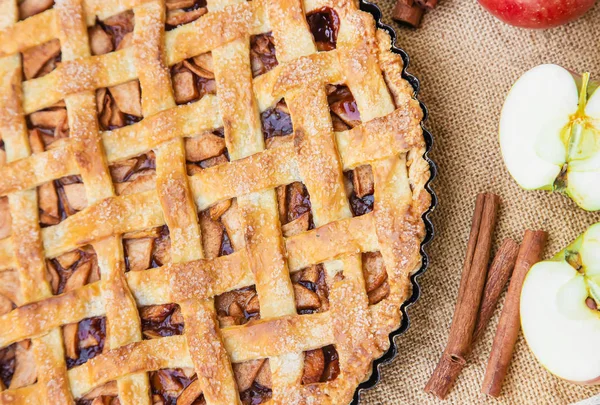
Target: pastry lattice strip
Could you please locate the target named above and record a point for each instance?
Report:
(380, 230)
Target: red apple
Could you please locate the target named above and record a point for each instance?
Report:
(537, 13)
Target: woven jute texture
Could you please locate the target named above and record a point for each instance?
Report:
(467, 61)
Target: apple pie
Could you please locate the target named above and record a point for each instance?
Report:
(201, 201)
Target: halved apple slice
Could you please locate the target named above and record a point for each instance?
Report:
(559, 310)
(549, 134)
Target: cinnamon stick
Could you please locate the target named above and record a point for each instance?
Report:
(469, 293)
(427, 4)
(509, 325)
(498, 275)
(408, 12)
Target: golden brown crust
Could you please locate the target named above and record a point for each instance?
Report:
(389, 140)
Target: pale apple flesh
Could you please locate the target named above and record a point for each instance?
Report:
(537, 13)
(549, 134)
(559, 310)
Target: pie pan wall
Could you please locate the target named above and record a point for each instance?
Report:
(390, 354)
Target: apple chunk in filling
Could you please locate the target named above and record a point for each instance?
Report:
(550, 134)
(559, 310)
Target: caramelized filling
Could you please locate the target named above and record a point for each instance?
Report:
(298, 201)
(91, 334)
(169, 384)
(161, 320)
(321, 365)
(117, 27)
(358, 205)
(17, 365)
(256, 394)
(28, 8)
(276, 121)
(310, 290)
(237, 307)
(324, 24)
(343, 109)
(262, 54)
(7, 364)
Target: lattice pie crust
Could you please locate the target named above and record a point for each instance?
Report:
(202, 203)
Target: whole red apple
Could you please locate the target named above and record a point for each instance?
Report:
(537, 13)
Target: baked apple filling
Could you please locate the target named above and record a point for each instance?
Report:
(67, 272)
(376, 278)
(17, 366)
(41, 59)
(253, 379)
(193, 78)
(310, 290)
(107, 394)
(345, 116)
(27, 8)
(237, 307)
(84, 340)
(161, 320)
(324, 25)
(262, 54)
(276, 121)
(175, 386)
(72, 270)
(118, 105)
(321, 365)
(181, 12)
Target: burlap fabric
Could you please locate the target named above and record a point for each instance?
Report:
(467, 61)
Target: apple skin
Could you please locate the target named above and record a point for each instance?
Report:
(539, 14)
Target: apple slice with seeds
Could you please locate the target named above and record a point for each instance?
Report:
(559, 310)
(550, 134)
